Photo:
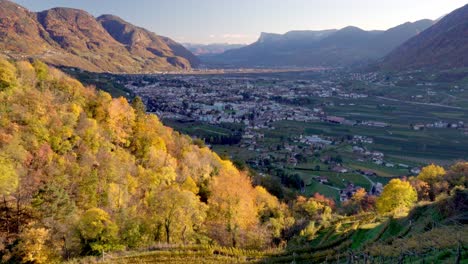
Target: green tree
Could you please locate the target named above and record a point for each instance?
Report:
(139, 106)
(397, 195)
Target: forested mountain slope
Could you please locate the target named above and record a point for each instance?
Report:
(83, 173)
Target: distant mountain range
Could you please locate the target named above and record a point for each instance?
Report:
(211, 49)
(442, 46)
(344, 47)
(72, 37)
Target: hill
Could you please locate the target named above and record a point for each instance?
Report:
(74, 38)
(83, 174)
(442, 46)
(332, 48)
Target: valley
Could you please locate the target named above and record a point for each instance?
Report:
(343, 140)
(325, 131)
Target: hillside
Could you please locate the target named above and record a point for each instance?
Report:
(74, 38)
(433, 233)
(442, 46)
(344, 47)
(83, 174)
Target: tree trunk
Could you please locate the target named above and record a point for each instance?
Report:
(183, 235)
(458, 260)
(167, 226)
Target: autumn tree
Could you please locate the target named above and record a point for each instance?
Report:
(32, 246)
(8, 176)
(97, 232)
(458, 175)
(421, 187)
(397, 195)
(180, 212)
(431, 173)
(232, 206)
(434, 175)
(7, 75)
(361, 201)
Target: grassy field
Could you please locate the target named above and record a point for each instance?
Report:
(433, 144)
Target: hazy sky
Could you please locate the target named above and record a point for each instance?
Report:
(241, 21)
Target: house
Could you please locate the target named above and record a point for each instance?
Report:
(357, 149)
(377, 189)
(339, 169)
(368, 172)
(378, 161)
(415, 170)
(292, 161)
(418, 126)
(348, 192)
(323, 179)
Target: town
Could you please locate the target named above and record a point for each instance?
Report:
(257, 106)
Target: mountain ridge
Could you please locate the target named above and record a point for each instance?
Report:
(343, 47)
(74, 38)
(442, 46)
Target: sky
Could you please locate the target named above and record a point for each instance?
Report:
(242, 21)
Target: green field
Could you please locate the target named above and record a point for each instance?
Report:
(431, 145)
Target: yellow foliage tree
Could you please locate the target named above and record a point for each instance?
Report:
(232, 205)
(121, 119)
(32, 247)
(8, 177)
(431, 173)
(397, 195)
(7, 75)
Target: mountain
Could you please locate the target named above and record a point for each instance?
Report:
(443, 46)
(145, 43)
(20, 32)
(211, 49)
(343, 47)
(74, 38)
